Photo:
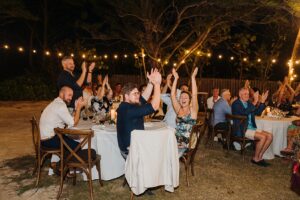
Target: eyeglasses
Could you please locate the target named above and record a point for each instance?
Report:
(135, 93)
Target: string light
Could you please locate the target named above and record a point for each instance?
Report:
(72, 54)
(166, 62)
(105, 56)
(47, 53)
(83, 56)
(297, 62)
(245, 59)
(183, 61)
(116, 56)
(231, 58)
(174, 64)
(159, 60)
(209, 55)
(95, 56)
(143, 55)
(187, 51)
(258, 60)
(60, 54)
(125, 56)
(198, 53)
(33, 51)
(135, 55)
(6, 46)
(273, 60)
(220, 56)
(20, 49)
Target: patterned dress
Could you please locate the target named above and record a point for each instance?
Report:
(183, 130)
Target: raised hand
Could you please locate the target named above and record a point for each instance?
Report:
(105, 80)
(255, 96)
(264, 96)
(175, 74)
(195, 72)
(92, 66)
(83, 66)
(169, 83)
(247, 84)
(80, 102)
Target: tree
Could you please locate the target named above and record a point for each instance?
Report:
(173, 29)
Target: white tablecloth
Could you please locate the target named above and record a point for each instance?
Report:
(105, 144)
(278, 127)
(152, 160)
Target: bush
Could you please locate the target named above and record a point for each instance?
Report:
(27, 87)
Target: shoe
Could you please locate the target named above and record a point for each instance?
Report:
(259, 163)
(287, 152)
(264, 163)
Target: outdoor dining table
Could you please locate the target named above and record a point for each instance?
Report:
(105, 144)
(278, 128)
(153, 159)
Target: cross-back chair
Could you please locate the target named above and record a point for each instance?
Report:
(78, 158)
(40, 152)
(242, 140)
(188, 157)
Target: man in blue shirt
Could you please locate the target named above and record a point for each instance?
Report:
(132, 110)
(244, 107)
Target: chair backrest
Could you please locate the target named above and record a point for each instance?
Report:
(85, 136)
(195, 139)
(36, 137)
(240, 119)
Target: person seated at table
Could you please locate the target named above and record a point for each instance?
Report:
(102, 102)
(132, 110)
(186, 109)
(117, 92)
(55, 115)
(244, 107)
(214, 98)
(293, 135)
(220, 109)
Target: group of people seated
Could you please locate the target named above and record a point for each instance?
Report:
(77, 92)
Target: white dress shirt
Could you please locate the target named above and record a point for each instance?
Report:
(210, 102)
(56, 114)
(170, 117)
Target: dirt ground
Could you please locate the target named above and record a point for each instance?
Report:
(219, 175)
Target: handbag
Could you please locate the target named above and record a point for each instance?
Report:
(295, 179)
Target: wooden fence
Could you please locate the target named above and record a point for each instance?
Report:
(207, 84)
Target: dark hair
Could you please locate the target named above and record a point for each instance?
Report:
(183, 84)
(186, 92)
(128, 87)
(141, 87)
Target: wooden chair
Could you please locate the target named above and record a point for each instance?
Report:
(189, 156)
(78, 158)
(232, 129)
(213, 131)
(40, 152)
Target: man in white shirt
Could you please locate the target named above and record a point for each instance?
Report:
(56, 114)
(214, 98)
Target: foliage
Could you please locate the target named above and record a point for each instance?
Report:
(27, 87)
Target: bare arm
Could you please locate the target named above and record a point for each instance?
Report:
(292, 91)
(90, 72)
(194, 110)
(101, 90)
(79, 104)
(147, 92)
(175, 102)
(167, 85)
(82, 76)
(156, 81)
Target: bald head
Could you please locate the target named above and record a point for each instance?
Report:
(66, 94)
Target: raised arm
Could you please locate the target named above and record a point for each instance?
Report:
(90, 72)
(175, 102)
(167, 85)
(292, 92)
(82, 75)
(194, 110)
(101, 90)
(80, 103)
(156, 81)
(147, 92)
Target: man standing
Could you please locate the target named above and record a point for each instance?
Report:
(214, 98)
(56, 114)
(67, 77)
(132, 110)
(243, 106)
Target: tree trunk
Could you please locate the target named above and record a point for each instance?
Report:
(294, 53)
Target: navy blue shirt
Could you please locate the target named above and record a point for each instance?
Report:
(131, 117)
(66, 79)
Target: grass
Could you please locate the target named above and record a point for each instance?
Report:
(218, 175)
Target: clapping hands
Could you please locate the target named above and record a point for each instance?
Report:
(264, 96)
(175, 74)
(154, 77)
